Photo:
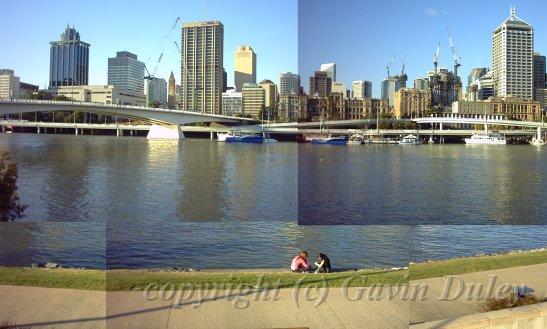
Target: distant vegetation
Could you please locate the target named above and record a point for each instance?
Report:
(10, 208)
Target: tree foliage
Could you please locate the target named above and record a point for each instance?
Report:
(10, 208)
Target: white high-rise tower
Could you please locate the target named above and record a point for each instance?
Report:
(512, 55)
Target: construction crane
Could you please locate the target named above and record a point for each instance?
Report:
(155, 68)
(388, 66)
(436, 57)
(403, 62)
(454, 54)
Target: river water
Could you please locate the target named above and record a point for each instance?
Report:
(107, 202)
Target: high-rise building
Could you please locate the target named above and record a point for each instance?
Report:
(270, 93)
(411, 103)
(362, 89)
(126, 72)
(320, 84)
(421, 84)
(9, 84)
(339, 87)
(539, 75)
(289, 83)
(244, 66)
(69, 60)
(155, 90)
(391, 85)
(330, 68)
(253, 99)
(172, 92)
(444, 87)
(202, 51)
(475, 74)
(512, 51)
(232, 103)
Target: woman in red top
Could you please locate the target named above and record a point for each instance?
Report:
(300, 263)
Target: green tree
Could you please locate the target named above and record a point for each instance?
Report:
(10, 208)
(62, 98)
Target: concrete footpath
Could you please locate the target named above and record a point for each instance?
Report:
(286, 308)
(431, 308)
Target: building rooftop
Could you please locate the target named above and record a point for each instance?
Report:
(513, 21)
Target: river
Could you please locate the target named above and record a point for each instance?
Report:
(106, 202)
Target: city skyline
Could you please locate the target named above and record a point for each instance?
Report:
(387, 33)
(418, 58)
(267, 34)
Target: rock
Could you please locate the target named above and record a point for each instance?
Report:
(51, 265)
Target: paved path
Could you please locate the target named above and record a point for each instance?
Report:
(66, 308)
(431, 309)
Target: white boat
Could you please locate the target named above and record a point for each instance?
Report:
(486, 138)
(410, 140)
(537, 140)
(222, 136)
(355, 140)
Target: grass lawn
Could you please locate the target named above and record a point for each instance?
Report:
(54, 278)
(115, 280)
(474, 264)
(138, 280)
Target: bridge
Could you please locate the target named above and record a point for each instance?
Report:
(154, 115)
(78, 128)
(487, 120)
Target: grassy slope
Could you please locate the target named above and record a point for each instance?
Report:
(139, 279)
(57, 278)
(474, 264)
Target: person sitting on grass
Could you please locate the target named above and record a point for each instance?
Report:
(323, 264)
(300, 262)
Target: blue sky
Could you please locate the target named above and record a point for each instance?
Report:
(28, 26)
(362, 36)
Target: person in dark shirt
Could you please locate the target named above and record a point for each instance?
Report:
(323, 264)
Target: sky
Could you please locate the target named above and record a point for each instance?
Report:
(362, 36)
(141, 27)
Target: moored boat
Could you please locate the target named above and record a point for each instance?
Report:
(329, 140)
(486, 138)
(410, 140)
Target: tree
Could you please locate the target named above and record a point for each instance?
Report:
(62, 98)
(10, 208)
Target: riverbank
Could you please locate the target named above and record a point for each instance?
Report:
(120, 280)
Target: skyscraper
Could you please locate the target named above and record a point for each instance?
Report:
(512, 51)
(126, 72)
(155, 90)
(244, 66)
(171, 91)
(421, 84)
(289, 83)
(320, 84)
(9, 84)
(391, 85)
(475, 74)
(270, 93)
(539, 76)
(202, 66)
(69, 60)
(362, 89)
(330, 68)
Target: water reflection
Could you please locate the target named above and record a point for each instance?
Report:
(430, 184)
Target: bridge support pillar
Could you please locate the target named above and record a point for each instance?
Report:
(3, 129)
(118, 131)
(211, 135)
(165, 132)
(76, 131)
